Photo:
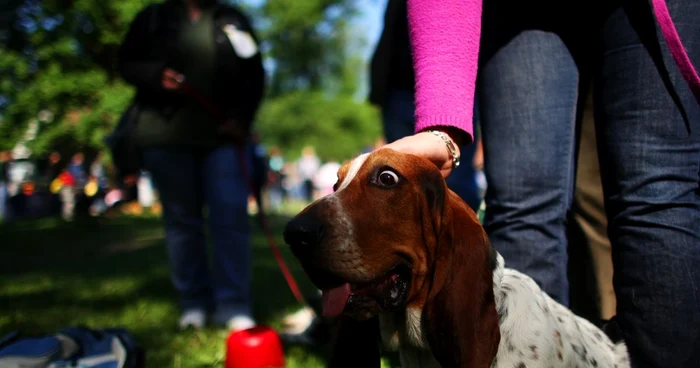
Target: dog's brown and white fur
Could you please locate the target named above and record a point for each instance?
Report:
(423, 279)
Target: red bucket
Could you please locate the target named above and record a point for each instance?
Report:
(257, 347)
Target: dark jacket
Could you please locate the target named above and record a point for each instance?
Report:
(150, 45)
(392, 63)
(4, 172)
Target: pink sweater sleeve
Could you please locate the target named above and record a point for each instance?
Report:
(445, 36)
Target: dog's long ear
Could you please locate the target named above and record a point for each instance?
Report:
(459, 316)
(356, 344)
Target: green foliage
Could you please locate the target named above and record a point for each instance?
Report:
(61, 74)
(309, 41)
(338, 127)
(316, 74)
(64, 68)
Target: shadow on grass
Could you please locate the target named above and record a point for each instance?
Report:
(114, 272)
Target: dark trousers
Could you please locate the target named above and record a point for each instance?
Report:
(188, 182)
(531, 71)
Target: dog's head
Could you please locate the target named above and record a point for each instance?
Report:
(373, 244)
(393, 236)
(364, 246)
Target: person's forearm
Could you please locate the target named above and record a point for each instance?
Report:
(445, 37)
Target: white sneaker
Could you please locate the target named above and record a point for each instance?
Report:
(299, 321)
(192, 318)
(240, 322)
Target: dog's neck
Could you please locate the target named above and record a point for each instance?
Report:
(498, 293)
(403, 331)
(405, 327)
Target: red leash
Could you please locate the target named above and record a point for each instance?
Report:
(268, 233)
(262, 219)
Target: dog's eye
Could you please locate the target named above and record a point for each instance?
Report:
(388, 178)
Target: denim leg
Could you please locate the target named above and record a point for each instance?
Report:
(650, 160)
(398, 114)
(3, 200)
(176, 175)
(398, 119)
(462, 180)
(227, 199)
(528, 91)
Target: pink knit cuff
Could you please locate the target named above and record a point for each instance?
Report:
(463, 122)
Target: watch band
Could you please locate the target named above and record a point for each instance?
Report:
(450, 147)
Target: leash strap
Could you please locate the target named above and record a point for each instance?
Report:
(673, 40)
(262, 219)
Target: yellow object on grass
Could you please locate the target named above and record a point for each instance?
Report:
(91, 188)
(56, 185)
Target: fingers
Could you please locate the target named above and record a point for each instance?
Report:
(427, 145)
(172, 74)
(172, 80)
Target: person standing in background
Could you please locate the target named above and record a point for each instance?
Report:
(178, 54)
(76, 168)
(67, 194)
(308, 164)
(275, 179)
(48, 176)
(4, 179)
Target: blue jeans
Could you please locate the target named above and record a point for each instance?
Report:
(276, 197)
(186, 181)
(3, 201)
(398, 120)
(649, 148)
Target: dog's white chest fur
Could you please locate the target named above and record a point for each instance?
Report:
(535, 330)
(403, 332)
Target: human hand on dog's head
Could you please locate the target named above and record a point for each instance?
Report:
(432, 147)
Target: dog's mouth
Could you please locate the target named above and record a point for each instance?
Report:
(387, 292)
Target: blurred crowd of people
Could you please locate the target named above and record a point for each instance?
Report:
(52, 185)
(303, 180)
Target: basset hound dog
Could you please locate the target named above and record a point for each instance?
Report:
(405, 265)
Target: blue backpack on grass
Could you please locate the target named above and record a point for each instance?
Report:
(73, 347)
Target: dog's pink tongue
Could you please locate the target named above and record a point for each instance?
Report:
(334, 300)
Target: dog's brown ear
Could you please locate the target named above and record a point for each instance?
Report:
(356, 344)
(459, 316)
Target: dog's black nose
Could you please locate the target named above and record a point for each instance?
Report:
(303, 232)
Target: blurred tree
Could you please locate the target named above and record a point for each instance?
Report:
(57, 59)
(315, 73)
(337, 127)
(307, 41)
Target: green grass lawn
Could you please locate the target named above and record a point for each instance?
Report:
(113, 272)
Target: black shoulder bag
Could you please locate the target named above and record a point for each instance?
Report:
(125, 152)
